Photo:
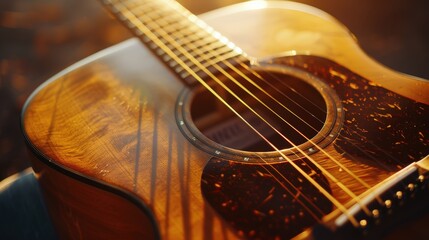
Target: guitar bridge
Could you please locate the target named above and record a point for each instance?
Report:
(402, 194)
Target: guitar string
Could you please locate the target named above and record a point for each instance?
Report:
(259, 77)
(295, 196)
(315, 105)
(324, 171)
(286, 179)
(323, 151)
(209, 53)
(383, 166)
(225, 73)
(377, 197)
(379, 163)
(342, 167)
(327, 174)
(314, 162)
(323, 191)
(370, 156)
(278, 149)
(309, 140)
(354, 132)
(333, 159)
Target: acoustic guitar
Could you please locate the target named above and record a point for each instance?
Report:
(273, 126)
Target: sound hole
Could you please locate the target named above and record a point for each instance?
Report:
(285, 110)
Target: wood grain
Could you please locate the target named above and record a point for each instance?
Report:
(83, 211)
(119, 128)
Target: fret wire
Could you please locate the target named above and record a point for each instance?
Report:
(212, 50)
(203, 52)
(219, 59)
(156, 15)
(189, 33)
(184, 41)
(160, 10)
(171, 21)
(209, 48)
(207, 44)
(197, 40)
(123, 12)
(203, 45)
(210, 55)
(176, 27)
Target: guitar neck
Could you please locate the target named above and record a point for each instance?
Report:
(181, 40)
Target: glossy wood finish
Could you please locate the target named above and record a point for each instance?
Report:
(290, 28)
(121, 130)
(83, 211)
(111, 120)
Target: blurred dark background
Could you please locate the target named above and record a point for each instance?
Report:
(38, 38)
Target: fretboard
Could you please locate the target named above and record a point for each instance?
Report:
(187, 45)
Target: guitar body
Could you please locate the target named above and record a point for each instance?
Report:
(118, 155)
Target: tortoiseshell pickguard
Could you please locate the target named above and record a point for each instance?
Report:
(264, 201)
(379, 125)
